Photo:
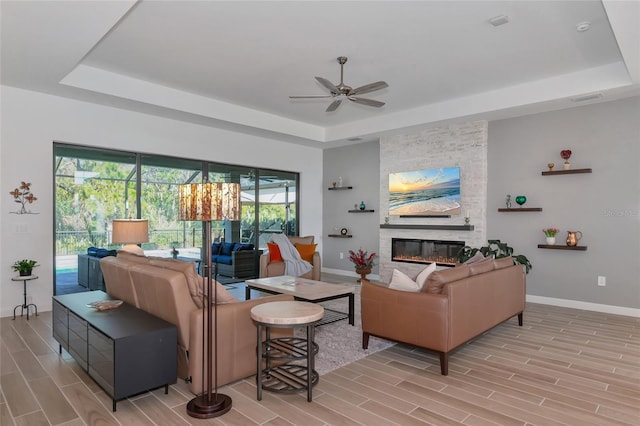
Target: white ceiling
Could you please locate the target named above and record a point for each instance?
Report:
(234, 64)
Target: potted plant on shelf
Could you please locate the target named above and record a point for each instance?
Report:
(24, 266)
(363, 262)
(497, 249)
(550, 233)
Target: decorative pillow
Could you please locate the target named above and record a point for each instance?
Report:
(438, 279)
(503, 262)
(421, 279)
(274, 253)
(242, 246)
(306, 251)
(481, 267)
(478, 257)
(401, 281)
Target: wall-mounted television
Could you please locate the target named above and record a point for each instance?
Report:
(424, 193)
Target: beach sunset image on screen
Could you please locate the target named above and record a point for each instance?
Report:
(429, 192)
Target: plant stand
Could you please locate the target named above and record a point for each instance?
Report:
(25, 305)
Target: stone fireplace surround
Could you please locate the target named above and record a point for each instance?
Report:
(463, 145)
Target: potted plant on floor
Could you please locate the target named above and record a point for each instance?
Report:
(363, 262)
(24, 267)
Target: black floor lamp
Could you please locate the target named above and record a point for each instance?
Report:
(207, 202)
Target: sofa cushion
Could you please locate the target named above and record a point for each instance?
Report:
(481, 267)
(274, 253)
(189, 271)
(216, 248)
(306, 251)
(438, 279)
(132, 257)
(242, 246)
(503, 262)
(227, 248)
(224, 259)
(194, 281)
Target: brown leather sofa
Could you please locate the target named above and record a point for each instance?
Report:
(276, 269)
(172, 290)
(454, 306)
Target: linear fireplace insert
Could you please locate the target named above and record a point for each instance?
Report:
(444, 253)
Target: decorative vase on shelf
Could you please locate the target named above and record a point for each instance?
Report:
(551, 241)
(567, 165)
(520, 200)
(362, 205)
(27, 272)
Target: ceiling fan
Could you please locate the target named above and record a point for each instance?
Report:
(342, 91)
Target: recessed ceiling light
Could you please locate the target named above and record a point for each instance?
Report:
(587, 97)
(583, 26)
(496, 21)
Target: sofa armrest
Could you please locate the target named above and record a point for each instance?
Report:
(419, 319)
(236, 341)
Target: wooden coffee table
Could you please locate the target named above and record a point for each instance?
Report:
(307, 291)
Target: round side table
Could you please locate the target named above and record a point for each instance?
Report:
(289, 374)
(24, 305)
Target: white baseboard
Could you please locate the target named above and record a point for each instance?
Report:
(587, 306)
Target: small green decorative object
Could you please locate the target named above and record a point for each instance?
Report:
(521, 199)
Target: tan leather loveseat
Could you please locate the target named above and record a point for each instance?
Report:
(454, 306)
(276, 269)
(172, 290)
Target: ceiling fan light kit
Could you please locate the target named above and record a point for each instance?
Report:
(342, 91)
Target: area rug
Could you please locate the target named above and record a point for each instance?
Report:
(341, 343)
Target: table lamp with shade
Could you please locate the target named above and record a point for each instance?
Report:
(130, 232)
(207, 202)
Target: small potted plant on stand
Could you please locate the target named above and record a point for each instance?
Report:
(24, 267)
(550, 233)
(363, 262)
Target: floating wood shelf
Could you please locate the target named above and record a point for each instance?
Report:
(560, 247)
(440, 227)
(565, 172)
(340, 236)
(361, 211)
(340, 188)
(522, 209)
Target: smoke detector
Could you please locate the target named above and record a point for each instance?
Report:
(496, 21)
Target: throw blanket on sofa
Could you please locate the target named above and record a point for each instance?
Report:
(293, 263)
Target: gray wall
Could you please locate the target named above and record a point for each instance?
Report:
(359, 166)
(604, 205)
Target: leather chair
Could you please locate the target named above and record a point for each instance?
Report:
(276, 269)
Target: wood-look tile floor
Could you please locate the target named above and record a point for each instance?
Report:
(565, 366)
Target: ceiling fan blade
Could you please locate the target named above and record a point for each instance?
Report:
(334, 105)
(369, 88)
(310, 97)
(367, 102)
(329, 85)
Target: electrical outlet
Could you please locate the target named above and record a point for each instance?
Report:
(341, 255)
(602, 281)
